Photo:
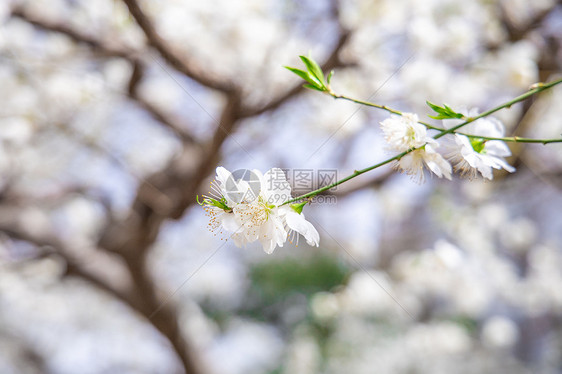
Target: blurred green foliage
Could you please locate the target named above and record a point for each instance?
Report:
(279, 278)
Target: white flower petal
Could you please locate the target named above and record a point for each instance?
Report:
(497, 148)
(487, 127)
(239, 240)
(312, 237)
(229, 222)
(272, 234)
(275, 188)
(298, 223)
(222, 175)
(438, 165)
(499, 163)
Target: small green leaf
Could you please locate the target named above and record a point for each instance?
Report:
(432, 106)
(313, 68)
(303, 74)
(440, 116)
(330, 76)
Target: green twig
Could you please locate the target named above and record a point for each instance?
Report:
(355, 174)
(538, 88)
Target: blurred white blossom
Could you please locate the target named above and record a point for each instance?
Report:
(500, 332)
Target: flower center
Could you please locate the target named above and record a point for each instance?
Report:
(255, 214)
(411, 134)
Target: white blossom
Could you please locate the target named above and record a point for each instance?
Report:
(256, 213)
(403, 133)
(471, 156)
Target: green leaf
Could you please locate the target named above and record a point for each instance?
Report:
(314, 69)
(304, 75)
(433, 106)
(444, 112)
(313, 87)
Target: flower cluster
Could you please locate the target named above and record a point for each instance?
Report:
(469, 154)
(254, 208)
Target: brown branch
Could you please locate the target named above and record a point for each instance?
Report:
(229, 119)
(188, 68)
(148, 302)
(133, 240)
(75, 35)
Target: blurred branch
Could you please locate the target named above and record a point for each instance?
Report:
(121, 52)
(132, 239)
(74, 268)
(517, 33)
(167, 120)
(75, 35)
(332, 61)
(230, 117)
(23, 353)
(148, 301)
(188, 68)
(520, 155)
(142, 297)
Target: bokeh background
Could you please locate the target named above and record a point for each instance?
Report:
(114, 115)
